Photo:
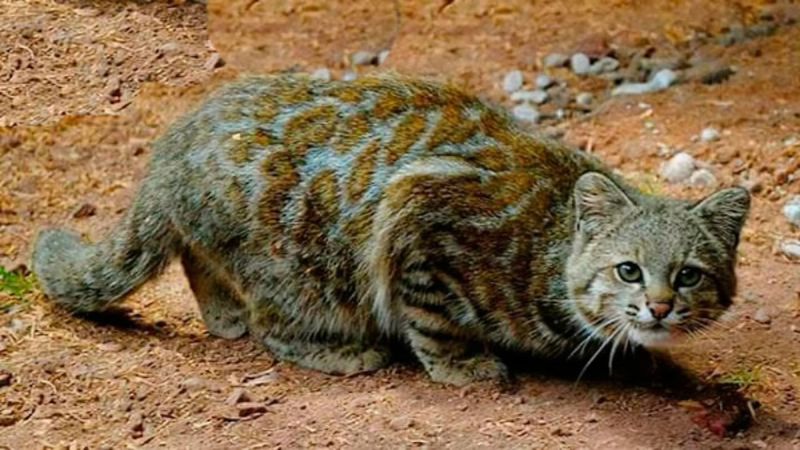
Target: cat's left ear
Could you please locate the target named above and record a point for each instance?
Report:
(598, 202)
(724, 212)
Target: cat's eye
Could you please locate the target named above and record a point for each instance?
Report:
(688, 277)
(629, 272)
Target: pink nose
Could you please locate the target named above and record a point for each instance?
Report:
(660, 310)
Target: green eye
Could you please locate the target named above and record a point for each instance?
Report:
(629, 272)
(688, 277)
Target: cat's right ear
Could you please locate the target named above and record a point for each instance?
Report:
(597, 201)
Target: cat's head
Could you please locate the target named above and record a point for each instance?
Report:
(648, 270)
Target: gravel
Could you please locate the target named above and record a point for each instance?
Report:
(679, 168)
(584, 99)
(709, 134)
(703, 178)
(525, 113)
(364, 58)
(543, 81)
(661, 80)
(513, 80)
(604, 65)
(762, 316)
(538, 96)
(792, 210)
(349, 76)
(321, 74)
(580, 64)
(791, 248)
(555, 60)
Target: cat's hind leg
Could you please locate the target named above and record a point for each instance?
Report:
(447, 348)
(223, 311)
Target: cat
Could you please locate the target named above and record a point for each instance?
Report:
(331, 219)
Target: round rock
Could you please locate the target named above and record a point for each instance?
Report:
(538, 96)
(679, 168)
(513, 80)
(703, 178)
(792, 210)
(555, 60)
(321, 74)
(791, 248)
(709, 134)
(525, 113)
(584, 99)
(580, 64)
(543, 81)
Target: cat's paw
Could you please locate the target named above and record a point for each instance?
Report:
(475, 369)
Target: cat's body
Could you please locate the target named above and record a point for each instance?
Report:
(328, 219)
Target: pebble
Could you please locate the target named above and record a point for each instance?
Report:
(604, 65)
(383, 56)
(245, 409)
(792, 210)
(538, 96)
(401, 423)
(762, 316)
(364, 58)
(679, 168)
(513, 80)
(214, 61)
(753, 184)
(555, 60)
(525, 113)
(349, 76)
(661, 80)
(791, 248)
(580, 64)
(543, 81)
(170, 48)
(703, 178)
(584, 99)
(322, 74)
(709, 134)
(193, 384)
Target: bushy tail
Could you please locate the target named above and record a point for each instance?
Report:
(87, 277)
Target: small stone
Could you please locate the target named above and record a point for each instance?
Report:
(246, 409)
(169, 49)
(555, 60)
(349, 76)
(513, 80)
(709, 134)
(383, 56)
(580, 64)
(679, 168)
(214, 61)
(364, 58)
(792, 210)
(663, 79)
(401, 423)
(703, 178)
(584, 99)
(791, 248)
(85, 210)
(752, 184)
(525, 113)
(604, 65)
(543, 81)
(111, 347)
(136, 424)
(762, 316)
(238, 395)
(538, 96)
(193, 384)
(114, 88)
(322, 74)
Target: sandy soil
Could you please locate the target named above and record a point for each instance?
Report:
(86, 85)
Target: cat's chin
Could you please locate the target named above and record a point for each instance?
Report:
(653, 338)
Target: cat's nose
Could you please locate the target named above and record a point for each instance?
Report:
(660, 310)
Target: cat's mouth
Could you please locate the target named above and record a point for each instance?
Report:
(654, 334)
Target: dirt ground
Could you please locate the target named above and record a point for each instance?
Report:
(86, 85)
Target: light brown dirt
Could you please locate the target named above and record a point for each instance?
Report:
(154, 378)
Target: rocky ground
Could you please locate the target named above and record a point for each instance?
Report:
(681, 98)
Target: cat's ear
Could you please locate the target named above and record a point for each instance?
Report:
(724, 212)
(597, 201)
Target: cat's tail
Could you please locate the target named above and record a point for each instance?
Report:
(86, 277)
